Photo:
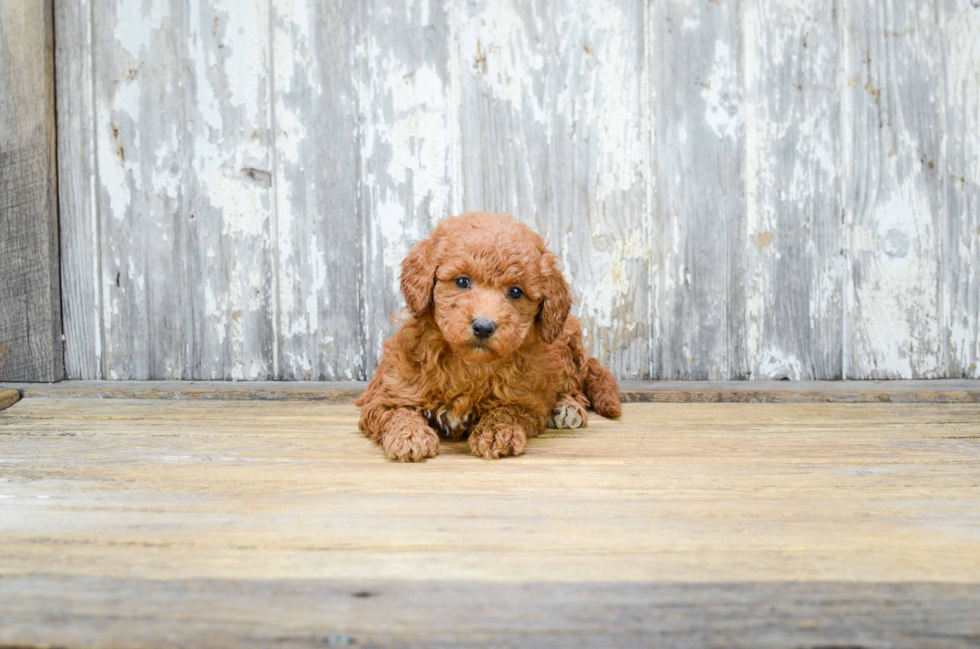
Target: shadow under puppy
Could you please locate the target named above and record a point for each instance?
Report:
(489, 350)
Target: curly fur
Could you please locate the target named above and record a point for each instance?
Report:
(435, 377)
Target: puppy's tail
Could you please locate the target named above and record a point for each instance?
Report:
(602, 390)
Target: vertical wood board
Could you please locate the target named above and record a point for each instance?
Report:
(961, 259)
(409, 142)
(320, 290)
(81, 260)
(184, 167)
(700, 145)
(790, 259)
(758, 189)
(554, 114)
(893, 200)
(30, 295)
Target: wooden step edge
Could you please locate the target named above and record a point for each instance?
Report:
(918, 391)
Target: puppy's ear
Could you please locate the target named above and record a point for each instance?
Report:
(419, 276)
(557, 299)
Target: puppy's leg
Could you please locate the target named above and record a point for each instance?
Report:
(568, 413)
(403, 433)
(504, 431)
(602, 390)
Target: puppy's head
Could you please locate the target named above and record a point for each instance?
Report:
(490, 283)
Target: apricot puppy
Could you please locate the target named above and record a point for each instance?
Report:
(489, 350)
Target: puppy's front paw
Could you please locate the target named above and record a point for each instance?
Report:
(412, 443)
(568, 413)
(498, 440)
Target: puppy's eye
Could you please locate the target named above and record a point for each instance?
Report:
(515, 293)
(463, 282)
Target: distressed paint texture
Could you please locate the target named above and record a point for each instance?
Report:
(893, 202)
(318, 233)
(184, 196)
(409, 176)
(759, 189)
(81, 272)
(700, 207)
(553, 131)
(961, 258)
(791, 264)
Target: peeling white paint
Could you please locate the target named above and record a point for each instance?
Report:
(611, 286)
(242, 206)
(778, 365)
(119, 177)
(318, 271)
(621, 153)
(896, 294)
(721, 93)
(244, 53)
(407, 144)
(494, 44)
(962, 280)
(135, 24)
(302, 362)
(565, 105)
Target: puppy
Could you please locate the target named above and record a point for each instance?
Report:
(489, 350)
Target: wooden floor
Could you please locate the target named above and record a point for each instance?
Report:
(130, 523)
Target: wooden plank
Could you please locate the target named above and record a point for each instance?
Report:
(961, 258)
(339, 391)
(80, 611)
(30, 297)
(791, 263)
(242, 184)
(319, 222)
(164, 523)
(137, 523)
(185, 197)
(935, 391)
(8, 397)
(876, 493)
(893, 189)
(931, 391)
(77, 182)
(700, 147)
(555, 130)
(409, 143)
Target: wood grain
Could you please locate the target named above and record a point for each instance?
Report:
(754, 190)
(700, 134)
(778, 524)
(961, 258)
(893, 209)
(185, 199)
(555, 116)
(319, 212)
(30, 297)
(409, 143)
(790, 259)
(91, 611)
(672, 492)
(81, 259)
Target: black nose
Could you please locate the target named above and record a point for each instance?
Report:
(483, 328)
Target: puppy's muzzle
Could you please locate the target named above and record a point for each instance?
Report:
(483, 328)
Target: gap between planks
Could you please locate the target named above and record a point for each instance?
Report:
(926, 391)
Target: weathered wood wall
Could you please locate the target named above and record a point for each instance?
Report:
(30, 298)
(739, 189)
